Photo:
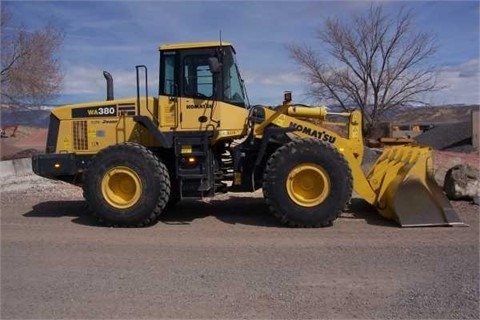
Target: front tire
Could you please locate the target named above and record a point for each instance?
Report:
(307, 183)
(126, 185)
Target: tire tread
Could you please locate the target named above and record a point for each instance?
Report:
(160, 172)
(270, 178)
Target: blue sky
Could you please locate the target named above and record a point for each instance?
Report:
(117, 35)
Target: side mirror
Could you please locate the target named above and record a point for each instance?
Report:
(214, 65)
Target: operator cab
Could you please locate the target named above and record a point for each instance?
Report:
(206, 71)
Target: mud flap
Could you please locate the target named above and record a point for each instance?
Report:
(402, 179)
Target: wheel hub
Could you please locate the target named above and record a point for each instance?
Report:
(121, 187)
(308, 185)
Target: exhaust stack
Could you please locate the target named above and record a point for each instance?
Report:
(109, 79)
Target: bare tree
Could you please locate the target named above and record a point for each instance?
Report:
(30, 69)
(378, 63)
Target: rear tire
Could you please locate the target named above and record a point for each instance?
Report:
(126, 185)
(307, 183)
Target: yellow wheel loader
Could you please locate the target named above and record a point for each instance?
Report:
(200, 137)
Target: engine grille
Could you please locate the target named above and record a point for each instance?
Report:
(80, 137)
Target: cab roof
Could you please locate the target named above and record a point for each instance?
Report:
(190, 45)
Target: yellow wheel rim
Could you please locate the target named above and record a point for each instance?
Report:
(121, 187)
(308, 185)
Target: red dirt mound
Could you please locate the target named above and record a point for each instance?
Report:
(35, 139)
(7, 150)
(28, 141)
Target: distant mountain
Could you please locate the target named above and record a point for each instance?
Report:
(434, 115)
(29, 116)
(39, 116)
(420, 114)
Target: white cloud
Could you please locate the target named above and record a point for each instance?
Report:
(89, 80)
(461, 84)
(267, 88)
(104, 48)
(132, 33)
(83, 80)
(272, 79)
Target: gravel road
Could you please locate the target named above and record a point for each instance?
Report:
(227, 258)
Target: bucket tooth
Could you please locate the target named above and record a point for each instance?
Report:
(406, 191)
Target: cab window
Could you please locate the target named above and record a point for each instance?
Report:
(197, 78)
(233, 90)
(168, 87)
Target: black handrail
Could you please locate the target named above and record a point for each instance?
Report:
(138, 87)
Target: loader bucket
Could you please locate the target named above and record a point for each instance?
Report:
(402, 179)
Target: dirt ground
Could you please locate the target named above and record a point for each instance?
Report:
(227, 258)
(25, 142)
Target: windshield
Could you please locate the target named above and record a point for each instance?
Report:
(233, 89)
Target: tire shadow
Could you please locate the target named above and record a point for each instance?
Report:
(254, 211)
(361, 209)
(57, 209)
(233, 210)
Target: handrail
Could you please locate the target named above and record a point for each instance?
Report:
(137, 68)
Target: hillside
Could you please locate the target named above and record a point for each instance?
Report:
(29, 116)
(434, 115)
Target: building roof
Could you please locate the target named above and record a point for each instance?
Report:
(187, 45)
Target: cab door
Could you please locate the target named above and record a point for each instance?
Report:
(197, 102)
(168, 100)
